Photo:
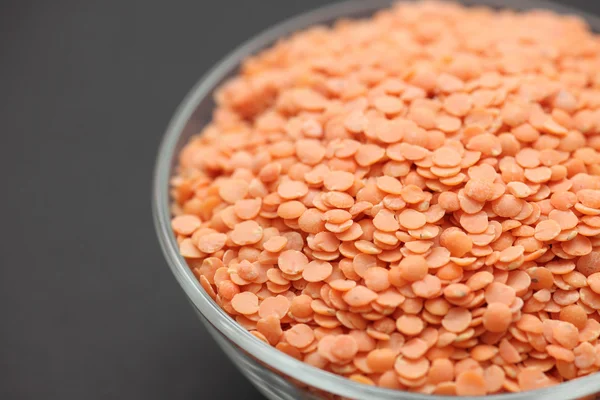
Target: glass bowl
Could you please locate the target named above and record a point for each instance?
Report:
(275, 374)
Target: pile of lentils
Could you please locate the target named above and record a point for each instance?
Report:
(411, 200)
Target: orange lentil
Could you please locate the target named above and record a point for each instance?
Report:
(291, 209)
(449, 201)
(409, 325)
(507, 206)
(338, 180)
(566, 219)
(381, 360)
(593, 281)
(480, 280)
(385, 221)
(532, 378)
(407, 222)
(300, 335)
(344, 347)
(497, 317)
(277, 306)
(547, 230)
(412, 194)
(247, 208)
(316, 271)
(498, 292)
(411, 369)
(589, 264)
(560, 353)
(457, 319)
(470, 383)
(292, 189)
(275, 244)
(376, 279)
(479, 190)
(413, 268)
(414, 348)
(541, 278)
(494, 378)
(428, 287)
(245, 303)
(185, 224)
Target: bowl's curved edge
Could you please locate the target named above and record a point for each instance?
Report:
(217, 317)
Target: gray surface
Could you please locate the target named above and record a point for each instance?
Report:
(89, 308)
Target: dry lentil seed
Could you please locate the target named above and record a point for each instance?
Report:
(497, 317)
(412, 219)
(185, 224)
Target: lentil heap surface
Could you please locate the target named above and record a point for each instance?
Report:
(411, 201)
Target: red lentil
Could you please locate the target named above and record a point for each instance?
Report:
(418, 213)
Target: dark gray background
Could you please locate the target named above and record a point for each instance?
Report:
(88, 307)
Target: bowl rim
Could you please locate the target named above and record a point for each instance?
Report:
(217, 317)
